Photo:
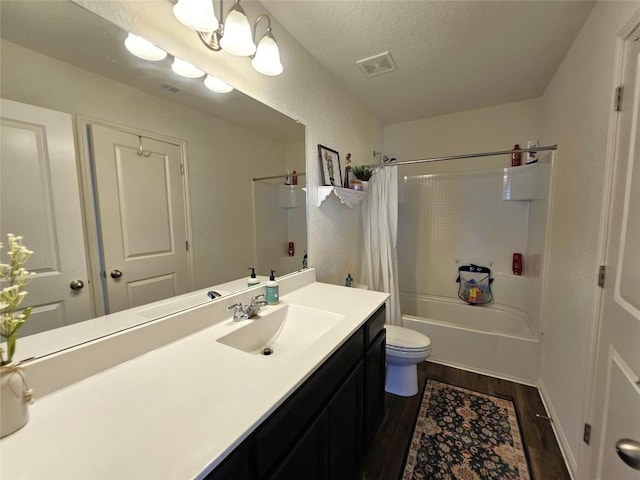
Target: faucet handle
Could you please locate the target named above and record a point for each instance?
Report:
(238, 310)
(235, 305)
(257, 297)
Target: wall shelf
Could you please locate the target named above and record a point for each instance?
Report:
(350, 198)
(526, 182)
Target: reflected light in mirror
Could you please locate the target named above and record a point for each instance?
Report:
(185, 69)
(196, 14)
(267, 58)
(144, 49)
(217, 85)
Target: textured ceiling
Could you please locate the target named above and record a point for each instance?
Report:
(451, 55)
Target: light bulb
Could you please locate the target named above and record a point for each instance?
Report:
(236, 39)
(196, 14)
(144, 48)
(267, 59)
(217, 85)
(185, 69)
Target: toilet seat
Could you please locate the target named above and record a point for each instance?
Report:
(405, 340)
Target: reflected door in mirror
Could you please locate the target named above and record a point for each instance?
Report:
(142, 216)
(40, 201)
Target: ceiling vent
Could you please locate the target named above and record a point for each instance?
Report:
(170, 87)
(377, 65)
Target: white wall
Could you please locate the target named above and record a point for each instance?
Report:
(221, 157)
(305, 91)
(481, 130)
(577, 107)
(447, 220)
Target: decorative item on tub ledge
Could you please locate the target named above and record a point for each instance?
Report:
(14, 391)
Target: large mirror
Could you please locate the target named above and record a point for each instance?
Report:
(129, 166)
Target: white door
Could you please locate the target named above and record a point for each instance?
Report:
(617, 389)
(142, 218)
(40, 200)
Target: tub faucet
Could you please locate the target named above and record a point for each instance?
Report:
(241, 312)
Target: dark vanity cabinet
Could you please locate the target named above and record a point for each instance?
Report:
(375, 370)
(322, 431)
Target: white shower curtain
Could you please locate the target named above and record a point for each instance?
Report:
(380, 231)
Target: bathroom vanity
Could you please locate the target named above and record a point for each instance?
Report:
(325, 426)
(189, 395)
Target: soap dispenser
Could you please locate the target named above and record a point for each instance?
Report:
(253, 280)
(273, 294)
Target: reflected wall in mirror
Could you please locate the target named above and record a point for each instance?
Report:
(130, 165)
(280, 220)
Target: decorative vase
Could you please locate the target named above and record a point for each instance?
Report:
(15, 397)
(365, 185)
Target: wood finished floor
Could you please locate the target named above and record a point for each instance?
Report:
(385, 459)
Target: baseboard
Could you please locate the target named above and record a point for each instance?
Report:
(482, 372)
(561, 438)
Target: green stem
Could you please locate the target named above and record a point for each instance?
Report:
(11, 347)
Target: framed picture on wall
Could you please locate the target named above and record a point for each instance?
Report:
(330, 165)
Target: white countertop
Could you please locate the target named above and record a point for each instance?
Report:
(178, 410)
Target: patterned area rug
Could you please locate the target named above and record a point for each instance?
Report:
(465, 435)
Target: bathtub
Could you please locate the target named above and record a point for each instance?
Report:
(492, 340)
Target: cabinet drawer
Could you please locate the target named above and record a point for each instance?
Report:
(277, 434)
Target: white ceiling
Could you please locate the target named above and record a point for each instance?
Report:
(451, 55)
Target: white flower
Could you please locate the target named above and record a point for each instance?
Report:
(11, 296)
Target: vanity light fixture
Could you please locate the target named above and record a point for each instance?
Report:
(233, 34)
(196, 14)
(267, 57)
(144, 48)
(185, 69)
(237, 38)
(217, 85)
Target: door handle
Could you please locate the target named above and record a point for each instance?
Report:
(629, 451)
(76, 285)
(116, 273)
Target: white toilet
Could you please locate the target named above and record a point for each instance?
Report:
(405, 349)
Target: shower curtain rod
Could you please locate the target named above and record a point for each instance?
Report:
(467, 155)
(284, 175)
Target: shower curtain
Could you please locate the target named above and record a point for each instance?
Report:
(380, 231)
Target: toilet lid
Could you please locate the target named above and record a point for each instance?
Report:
(406, 338)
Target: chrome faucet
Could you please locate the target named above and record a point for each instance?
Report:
(244, 313)
(256, 304)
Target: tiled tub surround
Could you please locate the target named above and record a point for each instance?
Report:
(166, 400)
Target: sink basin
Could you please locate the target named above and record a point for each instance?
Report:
(285, 330)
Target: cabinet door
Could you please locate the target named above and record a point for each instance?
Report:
(307, 458)
(235, 467)
(345, 428)
(374, 387)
